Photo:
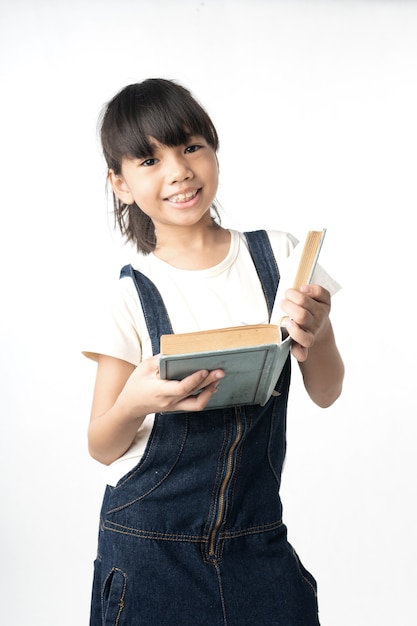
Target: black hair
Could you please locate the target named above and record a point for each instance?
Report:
(155, 108)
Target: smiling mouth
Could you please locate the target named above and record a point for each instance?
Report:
(183, 197)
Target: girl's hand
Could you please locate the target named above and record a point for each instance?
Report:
(125, 394)
(145, 392)
(308, 316)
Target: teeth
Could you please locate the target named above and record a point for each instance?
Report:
(183, 197)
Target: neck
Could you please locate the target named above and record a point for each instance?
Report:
(193, 248)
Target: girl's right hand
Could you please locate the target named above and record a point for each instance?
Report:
(145, 392)
(124, 395)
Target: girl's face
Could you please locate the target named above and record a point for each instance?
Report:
(175, 186)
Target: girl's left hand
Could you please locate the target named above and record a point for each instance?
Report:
(308, 316)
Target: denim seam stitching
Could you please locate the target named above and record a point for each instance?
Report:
(221, 592)
(150, 534)
(252, 530)
(224, 535)
(297, 560)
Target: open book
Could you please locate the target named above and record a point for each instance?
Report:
(252, 357)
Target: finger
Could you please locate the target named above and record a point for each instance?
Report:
(198, 402)
(317, 292)
(299, 352)
(299, 334)
(196, 381)
(308, 293)
(297, 313)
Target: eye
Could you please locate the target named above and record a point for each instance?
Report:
(148, 162)
(193, 148)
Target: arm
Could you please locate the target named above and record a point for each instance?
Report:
(125, 394)
(314, 344)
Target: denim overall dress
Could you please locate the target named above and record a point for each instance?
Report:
(193, 535)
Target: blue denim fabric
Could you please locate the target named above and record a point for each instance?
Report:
(193, 535)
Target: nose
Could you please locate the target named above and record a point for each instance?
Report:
(178, 169)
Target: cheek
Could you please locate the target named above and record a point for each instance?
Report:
(212, 174)
(143, 193)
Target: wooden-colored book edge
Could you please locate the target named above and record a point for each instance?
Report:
(220, 339)
(309, 254)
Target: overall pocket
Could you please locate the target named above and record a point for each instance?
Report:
(113, 597)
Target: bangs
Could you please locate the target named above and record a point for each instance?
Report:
(158, 110)
(167, 126)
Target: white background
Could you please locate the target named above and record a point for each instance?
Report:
(315, 103)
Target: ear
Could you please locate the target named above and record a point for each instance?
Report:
(120, 187)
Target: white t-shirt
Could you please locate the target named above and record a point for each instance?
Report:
(228, 294)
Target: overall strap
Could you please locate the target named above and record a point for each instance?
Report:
(154, 310)
(265, 263)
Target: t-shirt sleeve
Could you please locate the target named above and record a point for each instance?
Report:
(114, 325)
(282, 244)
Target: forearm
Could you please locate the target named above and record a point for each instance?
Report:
(323, 370)
(110, 435)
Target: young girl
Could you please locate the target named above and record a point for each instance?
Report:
(191, 529)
